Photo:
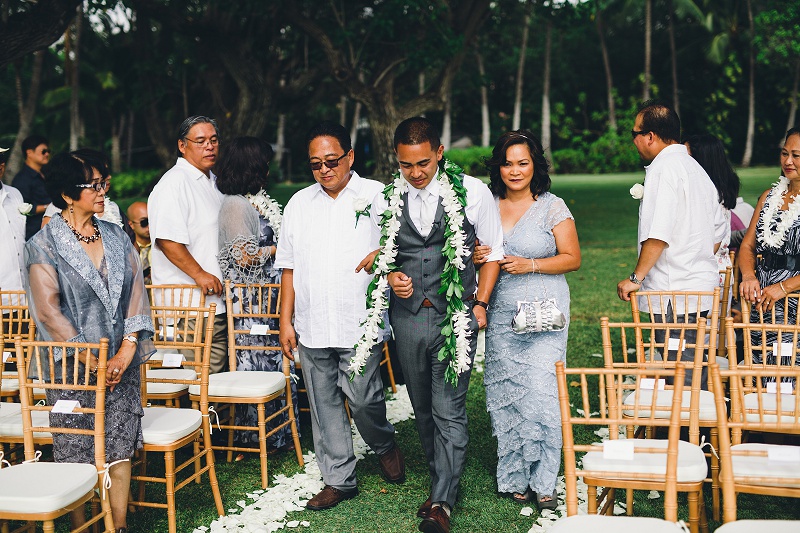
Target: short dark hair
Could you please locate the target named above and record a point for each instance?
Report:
(95, 159)
(541, 178)
(62, 174)
(4, 156)
(661, 119)
(709, 151)
(186, 125)
(328, 128)
(243, 166)
(32, 141)
(792, 131)
(416, 130)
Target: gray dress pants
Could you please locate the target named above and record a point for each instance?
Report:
(328, 383)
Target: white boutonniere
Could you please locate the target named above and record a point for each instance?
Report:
(637, 191)
(25, 209)
(361, 207)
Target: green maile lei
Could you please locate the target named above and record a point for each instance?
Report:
(455, 326)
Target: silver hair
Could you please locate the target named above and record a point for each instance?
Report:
(186, 125)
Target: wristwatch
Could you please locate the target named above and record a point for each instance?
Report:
(482, 304)
(131, 338)
(634, 279)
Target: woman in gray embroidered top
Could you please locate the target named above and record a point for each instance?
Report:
(85, 283)
(249, 227)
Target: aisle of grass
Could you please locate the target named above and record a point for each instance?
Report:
(606, 217)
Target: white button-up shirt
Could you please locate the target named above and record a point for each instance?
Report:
(184, 207)
(12, 244)
(680, 206)
(481, 211)
(322, 243)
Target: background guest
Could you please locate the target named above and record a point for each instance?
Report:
(249, 222)
(12, 228)
(30, 181)
(541, 245)
(140, 226)
(86, 284)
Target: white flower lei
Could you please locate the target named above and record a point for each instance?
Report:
(269, 209)
(784, 221)
(456, 327)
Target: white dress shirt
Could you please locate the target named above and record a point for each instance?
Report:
(322, 243)
(12, 244)
(481, 211)
(681, 207)
(184, 207)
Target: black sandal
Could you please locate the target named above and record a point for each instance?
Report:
(551, 504)
(524, 497)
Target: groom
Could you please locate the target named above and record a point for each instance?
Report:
(417, 309)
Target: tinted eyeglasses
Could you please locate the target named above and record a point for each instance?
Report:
(143, 223)
(98, 186)
(331, 163)
(635, 133)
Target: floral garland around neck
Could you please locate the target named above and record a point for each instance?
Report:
(269, 209)
(455, 327)
(783, 221)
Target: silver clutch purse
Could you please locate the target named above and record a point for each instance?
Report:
(537, 316)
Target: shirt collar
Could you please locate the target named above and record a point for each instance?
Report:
(432, 188)
(195, 172)
(675, 148)
(353, 185)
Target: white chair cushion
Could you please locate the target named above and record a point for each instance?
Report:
(249, 384)
(10, 409)
(691, 461)
(749, 526)
(770, 403)
(708, 411)
(11, 426)
(613, 524)
(44, 487)
(10, 385)
(722, 362)
(163, 425)
(754, 466)
(169, 373)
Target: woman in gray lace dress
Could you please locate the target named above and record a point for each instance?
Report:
(85, 283)
(249, 226)
(541, 245)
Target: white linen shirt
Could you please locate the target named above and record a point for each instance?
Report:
(12, 244)
(184, 207)
(322, 243)
(481, 211)
(680, 206)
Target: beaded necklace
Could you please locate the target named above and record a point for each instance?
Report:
(83, 238)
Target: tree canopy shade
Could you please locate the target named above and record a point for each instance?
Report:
(32, 26)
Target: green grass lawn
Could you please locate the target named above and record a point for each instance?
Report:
(606, 217)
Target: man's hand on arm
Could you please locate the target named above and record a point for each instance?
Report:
(367, 262)
(179, 255)
(400, 284)
(287, 336)
(651, 251)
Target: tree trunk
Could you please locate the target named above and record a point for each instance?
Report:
(612, 108)
(129, 140)
(446, 122)
(486, 130)
(648, 47)
(281, 142)
(75, 82)
(382, 122)
(117, 128)
(793, 104)
(354, 127)
(523, 48)
(27, 110)
(751, 94)
(343, 110)
(676, 104)
(546, 88)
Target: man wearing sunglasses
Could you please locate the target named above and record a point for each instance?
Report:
(30, 181)
(326, 231)
(138, 222)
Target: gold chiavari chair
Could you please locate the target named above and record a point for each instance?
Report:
(43, 491)
(15, 320)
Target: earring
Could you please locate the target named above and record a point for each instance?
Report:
(71, 211)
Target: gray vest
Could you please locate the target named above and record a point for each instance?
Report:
(421, 259)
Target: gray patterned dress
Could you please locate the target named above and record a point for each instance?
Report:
(241, 227)
(520, 378)
(71, 300)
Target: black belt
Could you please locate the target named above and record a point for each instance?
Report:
(772, 261)
(427, 303)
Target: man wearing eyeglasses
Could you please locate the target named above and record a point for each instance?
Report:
(681, 224)
(30, 181)
(325, 232)
(183, 218)
(139, 223)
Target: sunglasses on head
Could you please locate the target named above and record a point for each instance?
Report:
(331, 163)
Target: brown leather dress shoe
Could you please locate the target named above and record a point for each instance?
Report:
(393, 466)
(424, 509)
(329, 497)
(437, 521)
